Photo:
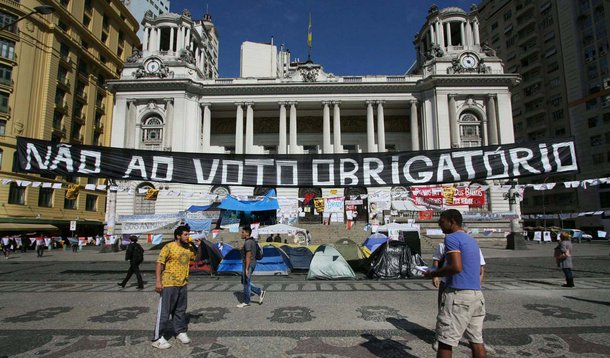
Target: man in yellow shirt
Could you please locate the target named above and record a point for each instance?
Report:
(172, 273)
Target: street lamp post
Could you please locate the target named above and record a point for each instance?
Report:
(42, 10)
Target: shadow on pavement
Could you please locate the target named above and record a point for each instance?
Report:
(605, 303)
(385, 347)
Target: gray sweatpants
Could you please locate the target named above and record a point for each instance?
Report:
(172, 302)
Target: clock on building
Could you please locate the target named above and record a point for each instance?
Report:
(469, 61)
(152, 66)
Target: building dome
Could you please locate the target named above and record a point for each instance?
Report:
(453, 10)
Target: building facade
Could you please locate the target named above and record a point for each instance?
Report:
(54, 68)
(457, 96)
(561, 49)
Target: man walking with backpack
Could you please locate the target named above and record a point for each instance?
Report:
(135, 256)
(249, 254)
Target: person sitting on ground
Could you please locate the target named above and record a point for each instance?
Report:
(269, 238)
(277, 238)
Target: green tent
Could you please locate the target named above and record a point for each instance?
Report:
(328, 264)
(353, 254)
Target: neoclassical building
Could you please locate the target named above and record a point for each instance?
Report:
(170, 98)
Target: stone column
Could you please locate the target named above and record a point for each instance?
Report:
(370, 127)
(249, 128)
(158, 40)
(484, 132)
(146, 33)
(187, 38)
(380, 128)
(180, 38)
(169, 121)
(171, 39)
(493, 119)
(453, 123)
(282, 140)
(293, 128)
(469, 33)
(414, 127)
(432, 35)
(131, 136)
(207, 126)
(448, 34)
(239, 129)
(477, 39)
(463, 34)
(441, 36)
(337, 127)
(326, 147)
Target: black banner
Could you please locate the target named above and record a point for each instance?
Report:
(307, 170)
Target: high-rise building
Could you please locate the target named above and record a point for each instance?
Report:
(54, 68)
(561, 49)
(139, 8)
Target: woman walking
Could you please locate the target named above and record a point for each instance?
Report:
(564, 258)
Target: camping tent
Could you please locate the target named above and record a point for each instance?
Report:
(352, 253)
(328, 264)
(300, 256)
(374, 241)
(231, 263)
(394, 260)
(223, 247)
(209, 258)
(274, 262)
(408, 233)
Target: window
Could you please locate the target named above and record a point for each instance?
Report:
(16, 194)
(152, 132)
(2, 127)
(507, 15)
(45, 197)
(1, 156)
(557, 115)
(7, 19)
(70, 203)
(607, 135)
(59, 97)
(3, 102)
(140, 205)
(596, 140)
(91, 202)
(7, 49)
(592, 122)
(5, 74)
(470, 130)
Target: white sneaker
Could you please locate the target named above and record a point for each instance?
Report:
(261, 297)
(182, 337)
(242, 305)
(161, 343)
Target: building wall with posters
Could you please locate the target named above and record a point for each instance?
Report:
(456, 96)
(54, 67)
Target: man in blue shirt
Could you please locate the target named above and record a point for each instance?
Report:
(462, 308)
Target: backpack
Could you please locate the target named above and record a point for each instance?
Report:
(258, 255)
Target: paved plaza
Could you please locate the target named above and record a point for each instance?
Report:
(68, 305)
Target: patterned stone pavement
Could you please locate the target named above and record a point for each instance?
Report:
(56, 307)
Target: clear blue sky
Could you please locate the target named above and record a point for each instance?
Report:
(350, 37)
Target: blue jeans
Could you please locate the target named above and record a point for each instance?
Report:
(249, 287)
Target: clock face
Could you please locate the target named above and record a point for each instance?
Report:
(152, 66)
(469, 61)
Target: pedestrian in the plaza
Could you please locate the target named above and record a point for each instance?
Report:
(24, 243)
(462, 270)
(172, 271)
(6, 247)
(564, 259)
(248, 259)
(135, 255)
(75, 243)
(40, 246)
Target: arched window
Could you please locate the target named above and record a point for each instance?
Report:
(470, 130)
(141, 205)
(152, 133)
